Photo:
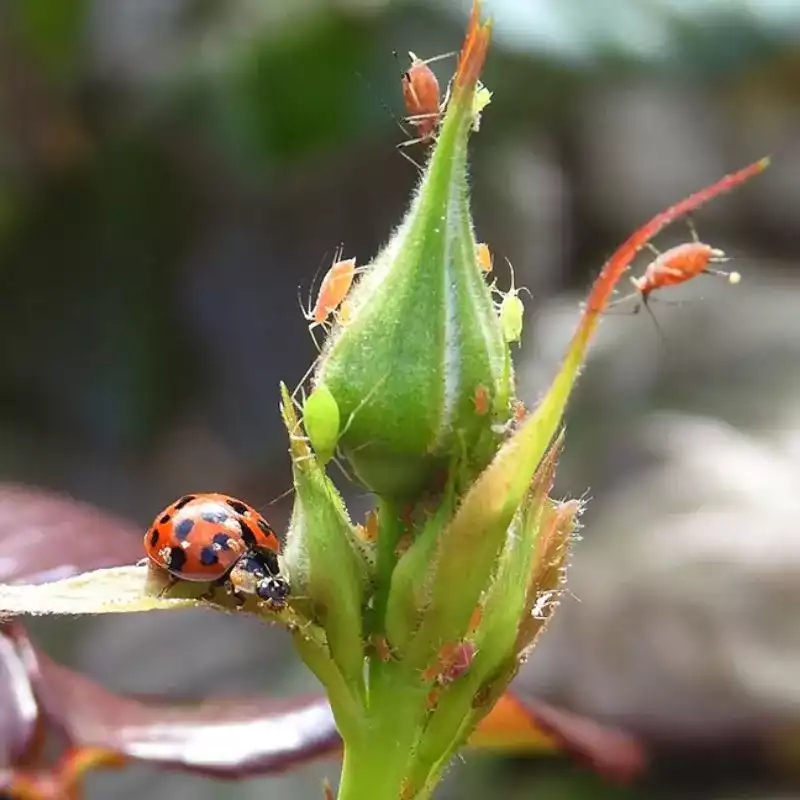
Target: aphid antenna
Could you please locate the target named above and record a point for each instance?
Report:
(645, 303)
(416, 59)
(518, 289)
(384, 105)
(299, 388)
(364, 401)
(307, 311)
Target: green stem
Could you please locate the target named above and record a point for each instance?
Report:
(390, 531)
(377, 761)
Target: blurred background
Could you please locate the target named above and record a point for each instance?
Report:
(171, 171)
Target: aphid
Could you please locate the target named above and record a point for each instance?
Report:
(453, 661)
(678, 265)
(421, 95)
(203, 537)
(481, 400)
(371, 527)
(484, 257)
(483, 97)
(322, 421)
(403, 545)
(381, 647)
(511, 311)
(332, 291)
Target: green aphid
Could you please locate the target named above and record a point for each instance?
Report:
(512, 311)
(483, 97)
(322, 421)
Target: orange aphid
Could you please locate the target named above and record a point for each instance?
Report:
(421, 97)
(481, 400)
(484, 256)
(475, 619)
(403, 544)
(332, 292)
(371, 527)
(680, 264)
(381, 646)
(335, 286)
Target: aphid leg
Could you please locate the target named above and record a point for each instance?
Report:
(370, 394)
(347, 476)
(349, 422)
(405, 155)
(692, 229)
(299, 386)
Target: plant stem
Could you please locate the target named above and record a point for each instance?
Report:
(377, 762)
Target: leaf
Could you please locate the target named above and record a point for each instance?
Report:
(18, 710)
(231, 737)
(46, 536)
(104, 591)
(522, 724)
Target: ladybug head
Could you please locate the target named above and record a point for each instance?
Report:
(274, 590)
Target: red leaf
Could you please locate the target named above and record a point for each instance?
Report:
(609, 751)
(232, 737)
(18, 709)
(45, 537)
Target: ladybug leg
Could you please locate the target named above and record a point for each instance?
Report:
(238, 597)
(171, 581)
(211, 592)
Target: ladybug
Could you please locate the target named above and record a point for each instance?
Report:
(204, 537)
(257, 573)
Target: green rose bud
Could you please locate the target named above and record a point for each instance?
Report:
(423, 340)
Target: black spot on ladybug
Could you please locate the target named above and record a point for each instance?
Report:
(264, 525)
(238, 506)
(183, 528)
(247, 534)
(217, 517)
(177, 559)
(183, 501)
(222, 540)
(153, 537)
(208, 557)
(165, 519)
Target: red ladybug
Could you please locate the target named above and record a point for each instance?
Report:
(204, 537)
